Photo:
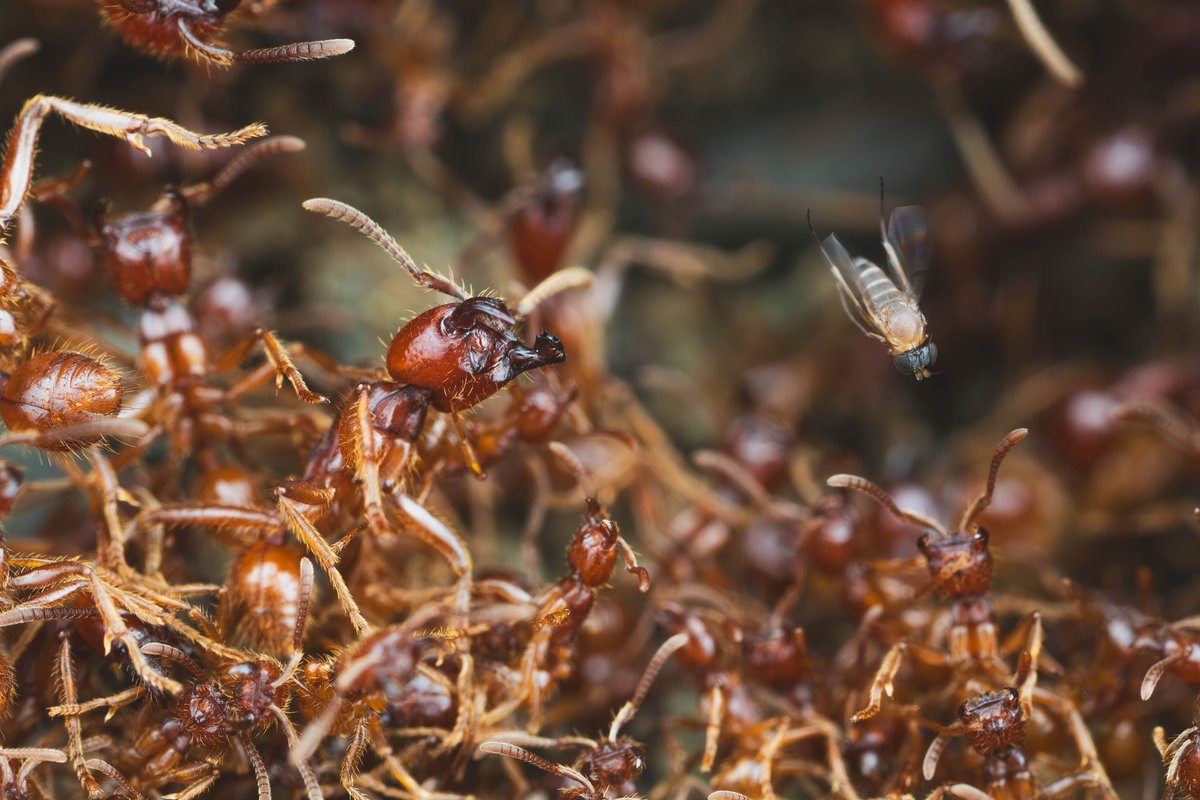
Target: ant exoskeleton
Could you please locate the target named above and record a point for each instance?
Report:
(191, 27)
(610, 764)
(149, 256)
(237, 701)
(995, 722)
(24, 308)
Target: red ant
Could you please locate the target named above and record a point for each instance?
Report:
(611, 764)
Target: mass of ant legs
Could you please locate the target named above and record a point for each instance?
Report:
(740, 621)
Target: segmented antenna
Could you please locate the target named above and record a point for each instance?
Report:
(343, 212)
(884, 499)
(984, 500)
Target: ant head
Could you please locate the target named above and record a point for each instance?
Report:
(959, 565)
(614, 763)
(150, 252)
(993, 720)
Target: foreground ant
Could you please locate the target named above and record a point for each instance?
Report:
(191, 27)
(995, 723)
(449, 358)
(614, 762)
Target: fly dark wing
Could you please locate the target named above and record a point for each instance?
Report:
(909, 248)
(850, 285)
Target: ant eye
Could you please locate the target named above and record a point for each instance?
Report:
(227, 6)
(923, 542)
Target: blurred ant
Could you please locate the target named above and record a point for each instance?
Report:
(610, 764)
(23, 308)
(565, 605)
(995, 722)
(960, 571)
(170, 28)
(149, 256)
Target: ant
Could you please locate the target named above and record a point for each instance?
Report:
(449, 358)
(236, 703)
(1182, 759)
(563, 608)
(614, 762)
(149, 256)
(960, 571)
(23, 308)
(995, 723)
(191, 27)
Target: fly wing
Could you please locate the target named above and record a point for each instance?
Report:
(850, 285)
(908, 247)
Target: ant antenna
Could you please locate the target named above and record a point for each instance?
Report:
(303, 602)
(343, 212)
(571, 461)
(984, 500)
(202, 193)
(521, 754)
(552, 284)
(631, 707)
(884, 499)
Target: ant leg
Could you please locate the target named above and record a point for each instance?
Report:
(1089, 758)
(208, 775)
(437, 535)
(279, 364)
(70, 696)
(133, 128)
(883, 683)
(366, 466)
(355, 749)
(468, 450)
(112, 702)
(114, 629)
(15, 51)
(712, 730)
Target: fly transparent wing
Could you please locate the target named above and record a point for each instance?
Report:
(908, 247)
(849, 285)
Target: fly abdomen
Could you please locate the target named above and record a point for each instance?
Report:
(878, 291)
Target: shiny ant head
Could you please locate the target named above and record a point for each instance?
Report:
(993, 720)
(148, 253)
(462, 352)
